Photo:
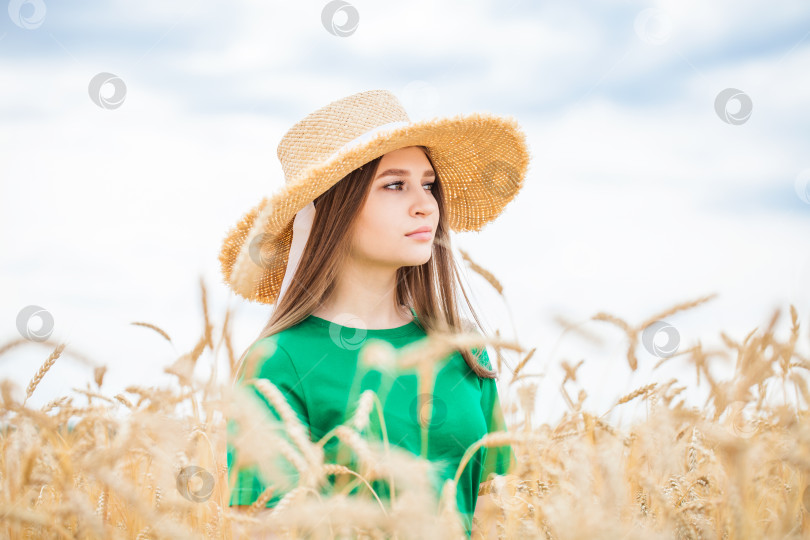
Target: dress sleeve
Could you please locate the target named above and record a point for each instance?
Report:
(498, 460)
(275, 365)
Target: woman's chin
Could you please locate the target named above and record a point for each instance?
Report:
(419, 259)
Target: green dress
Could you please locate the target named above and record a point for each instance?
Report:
(315, 365)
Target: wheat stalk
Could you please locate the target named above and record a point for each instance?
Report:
(32, 385)
(155, 328)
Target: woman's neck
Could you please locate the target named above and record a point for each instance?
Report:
(366, 293)
(377, 321)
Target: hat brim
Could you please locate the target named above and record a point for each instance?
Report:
(481, 160)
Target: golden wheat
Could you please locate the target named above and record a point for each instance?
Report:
(32, 385)
(153, 327)
(738, 467)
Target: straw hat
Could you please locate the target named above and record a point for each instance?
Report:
(481, 161)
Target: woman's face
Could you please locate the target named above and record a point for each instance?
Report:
(399, 201)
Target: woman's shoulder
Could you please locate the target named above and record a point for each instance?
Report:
(280, 343)
(293, 344)
(301, 330)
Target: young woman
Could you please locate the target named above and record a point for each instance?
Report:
(356, 247)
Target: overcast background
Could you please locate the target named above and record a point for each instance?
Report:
(643, 190)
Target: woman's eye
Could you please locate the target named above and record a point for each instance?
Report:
(399, 183)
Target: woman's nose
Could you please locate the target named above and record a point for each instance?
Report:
(425, 202)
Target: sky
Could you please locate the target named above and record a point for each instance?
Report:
(669, 161)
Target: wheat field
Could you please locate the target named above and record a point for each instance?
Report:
(151, 462)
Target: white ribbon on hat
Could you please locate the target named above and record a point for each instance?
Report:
(302, 224)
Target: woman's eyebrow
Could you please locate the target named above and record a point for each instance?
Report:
(405, 173)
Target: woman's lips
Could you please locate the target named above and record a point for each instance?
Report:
(420, 236)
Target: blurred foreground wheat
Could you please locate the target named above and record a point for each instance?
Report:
(737, 468)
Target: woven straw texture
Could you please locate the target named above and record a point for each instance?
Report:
(481, 160)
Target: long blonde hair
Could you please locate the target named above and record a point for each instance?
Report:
(429, 288)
